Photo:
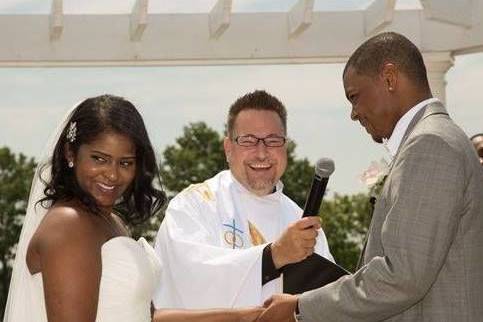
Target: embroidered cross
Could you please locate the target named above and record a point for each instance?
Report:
(233, 237)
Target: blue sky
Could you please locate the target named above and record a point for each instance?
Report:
(35, 99)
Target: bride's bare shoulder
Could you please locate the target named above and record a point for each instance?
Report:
(64, 230)
(66, 219)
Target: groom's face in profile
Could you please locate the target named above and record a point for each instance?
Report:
(370, 103)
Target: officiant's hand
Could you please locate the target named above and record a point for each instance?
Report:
(296, 243)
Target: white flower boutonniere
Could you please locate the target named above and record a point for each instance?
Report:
(375, 176)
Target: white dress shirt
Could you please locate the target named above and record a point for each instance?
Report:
(392, 144)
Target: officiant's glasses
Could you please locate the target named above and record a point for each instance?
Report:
(271, 141)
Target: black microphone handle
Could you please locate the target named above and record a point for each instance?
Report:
(317, 191)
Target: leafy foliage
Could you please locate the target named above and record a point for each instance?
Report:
(196, 156)
(297, 177)
(16, 173)
(345, 220)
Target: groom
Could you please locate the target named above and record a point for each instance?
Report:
(423, 257)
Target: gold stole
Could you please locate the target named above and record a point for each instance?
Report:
(255, 235)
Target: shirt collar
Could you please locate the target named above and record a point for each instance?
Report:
(392, 144)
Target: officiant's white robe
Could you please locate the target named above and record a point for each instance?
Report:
(211, 243)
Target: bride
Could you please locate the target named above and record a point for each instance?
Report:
(75, 260)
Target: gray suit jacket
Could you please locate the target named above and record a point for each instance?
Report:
(424, 255)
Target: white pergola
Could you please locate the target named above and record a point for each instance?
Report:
(441, 29)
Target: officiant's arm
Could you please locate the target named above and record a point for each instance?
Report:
(214, 315)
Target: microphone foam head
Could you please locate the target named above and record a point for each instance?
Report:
(324, 167)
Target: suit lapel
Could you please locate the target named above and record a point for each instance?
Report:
(435, 108)
(430, 109)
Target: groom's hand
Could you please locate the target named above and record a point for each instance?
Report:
(280, 308)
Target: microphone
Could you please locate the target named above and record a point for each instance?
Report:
(323, 169)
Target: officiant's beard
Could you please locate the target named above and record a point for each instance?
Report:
(261, 182)
(261, 187)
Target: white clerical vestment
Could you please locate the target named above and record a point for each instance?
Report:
(211, 243)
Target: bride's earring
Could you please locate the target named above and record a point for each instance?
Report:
(70, 164)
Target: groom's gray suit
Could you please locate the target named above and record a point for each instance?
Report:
(423, 259)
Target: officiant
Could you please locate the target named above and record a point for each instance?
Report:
(224, 241)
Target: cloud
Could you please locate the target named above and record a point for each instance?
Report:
(463, 92)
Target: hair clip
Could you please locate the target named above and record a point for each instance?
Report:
(72, 132)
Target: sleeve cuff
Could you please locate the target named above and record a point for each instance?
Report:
(269, 272)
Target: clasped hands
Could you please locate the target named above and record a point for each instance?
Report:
(295, 244)
(278, 308)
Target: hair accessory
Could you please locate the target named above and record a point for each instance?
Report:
(72, 132)
(70, 164)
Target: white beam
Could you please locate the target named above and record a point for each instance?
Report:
(139, 19)
(220, 18)
(102, 39)
(56, 20)
(378, 15)
(456, 12)
(300, 17)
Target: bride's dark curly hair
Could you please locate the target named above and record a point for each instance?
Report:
(92, 117)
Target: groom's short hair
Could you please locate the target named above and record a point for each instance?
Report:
(389, 47)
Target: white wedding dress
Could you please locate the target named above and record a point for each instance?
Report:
(130, 272)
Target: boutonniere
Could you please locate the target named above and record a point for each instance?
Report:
(374, 176)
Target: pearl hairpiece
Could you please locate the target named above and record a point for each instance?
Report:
(72, 132)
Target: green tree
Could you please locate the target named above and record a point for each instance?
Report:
(196, 156)
(297, 177)
(16, 172)
(345, 220)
